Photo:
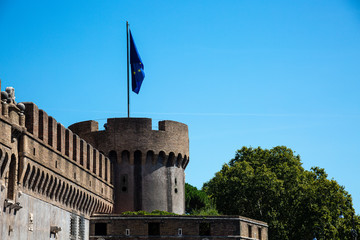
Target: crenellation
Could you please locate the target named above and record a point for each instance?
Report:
(101, 169)
(5, 109)
(43, 125)
(60, 138)
(52, 132)
(1, 106)
(82, 153)
(76, 148)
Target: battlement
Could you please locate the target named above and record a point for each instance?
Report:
(54, 135)
(126, 124)
(49, 162)
(136, 134)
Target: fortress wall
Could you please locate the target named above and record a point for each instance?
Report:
(52, 164)
(53, 135)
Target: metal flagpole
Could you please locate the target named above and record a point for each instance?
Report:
(127, 54)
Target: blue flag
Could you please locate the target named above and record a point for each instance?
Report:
(137, 67)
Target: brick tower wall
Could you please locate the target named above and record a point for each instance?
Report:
(149, 165)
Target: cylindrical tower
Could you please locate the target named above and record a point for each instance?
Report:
(148, 165)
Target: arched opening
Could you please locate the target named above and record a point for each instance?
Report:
(171, 160)
(113, 161)
(161, 158)
(125, 157)
(178, 160)
(3, 166)
(11, 178)
(184, 162)
(138, 180)
(150, 157)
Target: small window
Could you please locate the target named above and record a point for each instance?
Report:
(154, 229)
(73, 227)
(204, 229)
(100, 229)
(249, 231)
(127, 232)
(81, 228)
(259, 233)
(179, 231)
(124, 183)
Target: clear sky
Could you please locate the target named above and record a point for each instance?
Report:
(237, 72)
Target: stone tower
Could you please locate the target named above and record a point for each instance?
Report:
(147, 165)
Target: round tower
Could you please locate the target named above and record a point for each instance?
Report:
(148, 165)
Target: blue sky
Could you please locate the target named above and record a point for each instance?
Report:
(237, 72)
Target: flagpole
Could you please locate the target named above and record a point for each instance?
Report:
(127, 55)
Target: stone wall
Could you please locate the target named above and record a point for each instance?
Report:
(176, 227)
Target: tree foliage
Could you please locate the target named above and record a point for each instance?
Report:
(272, 186)
(197, 202)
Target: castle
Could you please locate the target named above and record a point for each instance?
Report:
(74, 183)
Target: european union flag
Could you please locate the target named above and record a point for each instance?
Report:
(137, 67)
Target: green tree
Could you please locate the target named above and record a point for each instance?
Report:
(272, 186)
(197, 202)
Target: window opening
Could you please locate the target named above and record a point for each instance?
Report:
(73, 229)
(124, 182)
(154, 229)
(204, 229)
(249, 231)
(259, 233)
(100, 229)
(81, 228)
